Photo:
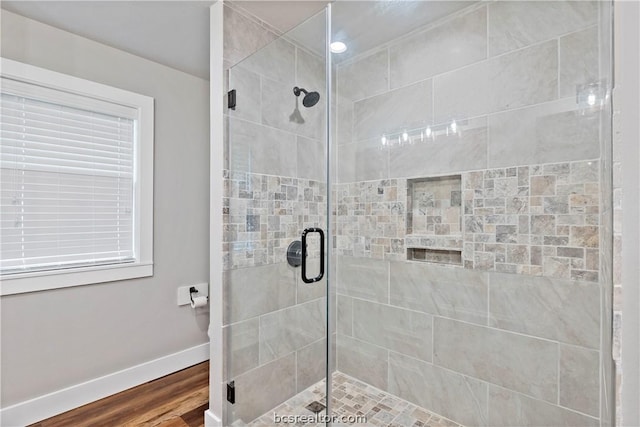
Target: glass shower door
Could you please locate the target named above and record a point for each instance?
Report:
(274, 223)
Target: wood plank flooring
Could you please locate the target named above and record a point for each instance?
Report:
(177, 400)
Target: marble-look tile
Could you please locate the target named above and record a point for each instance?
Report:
(363, 361)
(444, 154)
(579, 379)
(450, 292)
(311, 364)
(510, 409)
(241, 344)
(392, 112)
(310, 291)
(518, 362)
(452, 395)
(578, 60)
(498, 84)
(343, 120)
(242, 36)
(547, 133)
(311, 164)
(253, 291)
(276, 61)
(290, 329)
(403, 331)
(556, 309)
(363, 278)
(513, 25)
(364, 77)
(362, 161)
(344, 315)
(457, 42)
(264, 388)
(247, 85)
(279, 103)
(260, 149)
(310, 72)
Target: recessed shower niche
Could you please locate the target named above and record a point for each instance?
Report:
(434, 219)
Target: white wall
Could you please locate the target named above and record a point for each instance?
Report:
(59, 338)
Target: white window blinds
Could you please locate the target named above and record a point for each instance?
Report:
(67, 175)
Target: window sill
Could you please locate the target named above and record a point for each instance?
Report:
(41, 281)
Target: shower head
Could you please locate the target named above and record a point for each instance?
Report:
(310, 98)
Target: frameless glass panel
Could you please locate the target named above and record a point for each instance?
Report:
(473, 202)
(275, 322)
(469, 243)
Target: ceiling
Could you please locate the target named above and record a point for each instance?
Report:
(173, 33)
(176, 33)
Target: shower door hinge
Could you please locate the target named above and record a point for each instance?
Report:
(231, 392)
(231, 99)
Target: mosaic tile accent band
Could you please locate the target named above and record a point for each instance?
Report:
(262, 214)
(540, 220)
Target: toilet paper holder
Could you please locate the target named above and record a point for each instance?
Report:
(192, 290)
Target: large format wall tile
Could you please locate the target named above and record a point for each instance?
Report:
(450, 292)
(264, 388)
(457, 42)
(311, 164)
(242, 36)
(365, 77)
(514, 361)
(557, 309)
(343, 119)
(250, 292)
(578, 60)
(290, 329)
(363, 361)
(442, 155)
(276, 61)
(404, 331)
(363, 278)
(546, 133)
(311, 364)
(242, 347)
(344, 315)
(498, 84)
(579, 386)
(514, 24)
(362, 161)
(261, 149)
(455, 396)
(394, 111)
(279, 103)
(247, 85)
(310, 291)
(310, 73)
(510, 409)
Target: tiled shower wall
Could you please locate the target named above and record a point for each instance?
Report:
(513, 335)
(274, 324)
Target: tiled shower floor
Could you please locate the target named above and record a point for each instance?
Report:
(352, 397)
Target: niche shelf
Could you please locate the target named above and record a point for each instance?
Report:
(434, 220)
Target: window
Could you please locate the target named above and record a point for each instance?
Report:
(76, 174)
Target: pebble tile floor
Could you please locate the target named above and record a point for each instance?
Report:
(352, 397)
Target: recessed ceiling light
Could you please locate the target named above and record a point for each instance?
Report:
(338, 47)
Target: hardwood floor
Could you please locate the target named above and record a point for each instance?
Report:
(177, 400)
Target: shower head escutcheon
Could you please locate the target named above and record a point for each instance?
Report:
(310, 98)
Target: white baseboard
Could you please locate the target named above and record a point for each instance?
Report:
(211, 419)
(60, 401)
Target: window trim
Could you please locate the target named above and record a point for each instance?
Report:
(143, 185)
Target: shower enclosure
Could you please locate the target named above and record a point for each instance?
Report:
(420, 227)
